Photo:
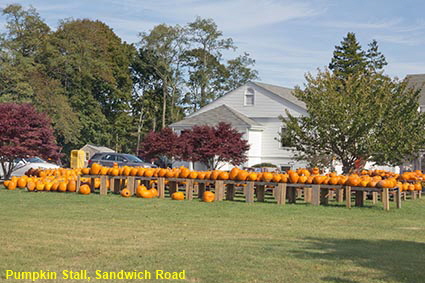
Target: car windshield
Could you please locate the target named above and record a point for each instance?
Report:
(35, 160)
(133, 158)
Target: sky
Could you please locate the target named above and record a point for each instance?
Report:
(287, 38)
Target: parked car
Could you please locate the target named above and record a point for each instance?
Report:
(108, 159)
(22, 165)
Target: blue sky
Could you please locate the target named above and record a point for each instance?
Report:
(286, 38)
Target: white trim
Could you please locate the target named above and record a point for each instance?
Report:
(250, 94)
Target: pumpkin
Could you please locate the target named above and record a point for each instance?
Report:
(154, 192)
(31, 186)
(201, 175)
(139, 190)
(177, 196)
(71, 187)
(208, 196)
(22, 182)
(266, 177)
(193, 175)
(95, 169)
(234, 173)
(48, 186)
(85, 171)
(242, 175)
(252, 177)
(125, 193)
(39, 186)
(62, 187)
(11, 185)
(215, 174)
(283, 178)
(276, 178)
(149, 172)
(293, 176)
(184, 172)
(333, 180)
(84, 189)
(147, 194)
(302, 179)
(223, 176)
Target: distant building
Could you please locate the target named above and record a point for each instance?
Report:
(253, 109)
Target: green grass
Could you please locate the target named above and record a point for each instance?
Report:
(213, 242)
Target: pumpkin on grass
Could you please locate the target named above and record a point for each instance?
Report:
(125, 193)
(177, 196)
(208, 196)
(84, 189)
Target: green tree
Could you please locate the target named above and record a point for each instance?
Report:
(23, 76)
(363, 117)
(161, 53)
(206, 72)
(240, 72)
(349, 58)
(92, 64)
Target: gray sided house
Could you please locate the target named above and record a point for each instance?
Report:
(254, 110)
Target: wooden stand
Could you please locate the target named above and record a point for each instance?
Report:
(280, 193)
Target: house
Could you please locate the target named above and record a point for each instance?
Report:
(253, 109)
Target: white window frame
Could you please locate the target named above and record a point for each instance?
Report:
(248, 93)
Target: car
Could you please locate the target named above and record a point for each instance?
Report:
(108, 159)
(22, 165)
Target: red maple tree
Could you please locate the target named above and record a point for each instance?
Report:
(163, 145)
(214, 145)
(24, 132)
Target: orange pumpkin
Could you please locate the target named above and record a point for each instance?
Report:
(72, 186)
(252, 177)
(266, 177)
(147, 194)
(31, 186)
(39, 186)
(223, 176)
(139, 190)
(208, 196)
(242, 175)
(11, 185)
(84, 189)
(62, 187)
(293, 176)
(193, 175)
(85, 171)
(95, 169)
(22, 183)
(125, 193)
(177, 196)
(234, 173)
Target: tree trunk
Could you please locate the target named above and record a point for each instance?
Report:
(164, 103)
(347, 166)
(139, 130)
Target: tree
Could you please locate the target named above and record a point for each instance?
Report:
(23, 76)
(163, 145)
(24, 132)
(204, 59)
(161, 49)
(214, 145)
(368, 117)
(92, 64)
(349, 58)
(240, 72)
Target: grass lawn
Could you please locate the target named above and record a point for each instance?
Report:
(213, 242)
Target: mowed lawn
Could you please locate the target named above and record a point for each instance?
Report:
(213, 242)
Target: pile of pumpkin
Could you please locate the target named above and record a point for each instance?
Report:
(64, 180)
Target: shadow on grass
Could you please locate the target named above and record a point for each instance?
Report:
(400, 261)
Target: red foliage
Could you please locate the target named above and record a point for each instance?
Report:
(164, 143)
(212, 145)
(24, 132)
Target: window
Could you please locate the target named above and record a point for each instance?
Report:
(120, 158)
(249, 97)
(285, 168)
(109, 157)
(282, 141)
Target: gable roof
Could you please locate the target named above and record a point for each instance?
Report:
(98, 148)
(222, 113)
(283, 92)
(417, 81)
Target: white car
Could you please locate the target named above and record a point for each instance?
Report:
(24, 164)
